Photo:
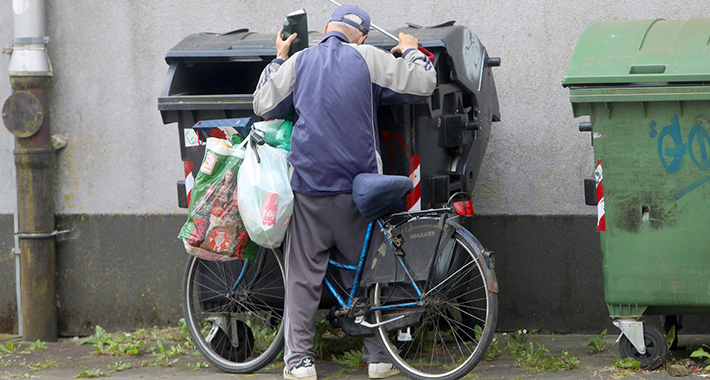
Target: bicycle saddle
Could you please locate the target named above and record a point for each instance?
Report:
(376, 194)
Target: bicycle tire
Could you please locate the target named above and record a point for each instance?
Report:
(253, 317)
(443, 344)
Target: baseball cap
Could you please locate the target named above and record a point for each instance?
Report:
(339, 15)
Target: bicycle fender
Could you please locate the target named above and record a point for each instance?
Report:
(485, 258)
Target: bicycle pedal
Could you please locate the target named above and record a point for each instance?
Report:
(358, 308)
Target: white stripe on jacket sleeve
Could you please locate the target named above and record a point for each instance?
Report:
(412, 74)
(275, 85)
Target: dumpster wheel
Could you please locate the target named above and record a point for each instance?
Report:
(656, 348)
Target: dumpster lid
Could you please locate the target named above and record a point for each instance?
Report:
(241, 43)
(641, 51)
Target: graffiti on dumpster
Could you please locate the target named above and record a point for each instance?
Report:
(674, 150)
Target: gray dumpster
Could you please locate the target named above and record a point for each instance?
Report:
(440, 142)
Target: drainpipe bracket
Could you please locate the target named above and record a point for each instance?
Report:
(14, 252)
(30, 40)
(46, 235)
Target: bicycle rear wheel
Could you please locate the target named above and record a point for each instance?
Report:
(454, 327)
(242, 333)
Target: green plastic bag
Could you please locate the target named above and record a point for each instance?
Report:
(214, 230)
(277, 132)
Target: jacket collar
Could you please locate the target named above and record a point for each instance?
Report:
(336, 34)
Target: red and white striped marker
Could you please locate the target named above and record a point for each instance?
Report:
(601, 217)
(189, 179)
(414, 199)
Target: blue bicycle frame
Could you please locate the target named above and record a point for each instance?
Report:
(346, 303)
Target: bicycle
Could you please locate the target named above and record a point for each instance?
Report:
(430, 295)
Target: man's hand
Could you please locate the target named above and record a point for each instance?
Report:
(282, 46)
(406, 41)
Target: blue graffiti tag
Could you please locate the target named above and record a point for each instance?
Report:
(700, 135)
(673, 156)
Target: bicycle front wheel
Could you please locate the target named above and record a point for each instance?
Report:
(449, 334)
(243, 332)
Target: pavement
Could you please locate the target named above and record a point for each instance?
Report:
(67, 359)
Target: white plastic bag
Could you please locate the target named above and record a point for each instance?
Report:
(265, 198)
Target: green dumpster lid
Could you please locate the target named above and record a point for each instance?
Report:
(641, 51)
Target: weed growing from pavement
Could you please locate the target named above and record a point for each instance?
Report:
(703, 355)
(198, 365)
(127, 344)
(318, 344)
(120, 366)
(351, 358)
(625, 367)
(49, 363)
(184, 334)
(341, 373)
(10, 348)
(9, 363)
(87, 373)
(164, 357)
(539, 359)
(24, 375)
(493, 349)
(263, 330)
(32, 367)
(597, 343)
(535, 356)
(517, 341)
(114, 344)
(329, 341)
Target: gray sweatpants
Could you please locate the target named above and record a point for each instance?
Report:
(318, 227)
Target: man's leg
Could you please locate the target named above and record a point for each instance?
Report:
(307, 248)
(350, 235)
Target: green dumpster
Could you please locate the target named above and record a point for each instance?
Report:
(645, 86)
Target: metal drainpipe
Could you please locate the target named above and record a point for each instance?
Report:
(15, 226)
(26, 115)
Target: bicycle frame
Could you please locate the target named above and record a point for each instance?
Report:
(347, 302)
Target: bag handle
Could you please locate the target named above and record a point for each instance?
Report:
(254, 139)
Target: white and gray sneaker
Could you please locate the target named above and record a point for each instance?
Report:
(304, 370)
(381, 370)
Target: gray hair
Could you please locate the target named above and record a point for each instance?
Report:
(350, 31)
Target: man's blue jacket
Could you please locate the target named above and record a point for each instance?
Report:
(335, 88)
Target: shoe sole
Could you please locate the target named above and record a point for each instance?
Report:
(291, 377)
(383, 375)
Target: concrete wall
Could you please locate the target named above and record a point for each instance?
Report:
(121, 164)
(109, 68)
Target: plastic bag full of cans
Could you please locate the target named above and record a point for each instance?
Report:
(265, 198)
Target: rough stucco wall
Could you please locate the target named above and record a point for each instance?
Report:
(109, 69)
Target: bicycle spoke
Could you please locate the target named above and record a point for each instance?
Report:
(213, 273)
(442, 282)
(444, 343)
(460, 281)
(454, 333)
(251, 317)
